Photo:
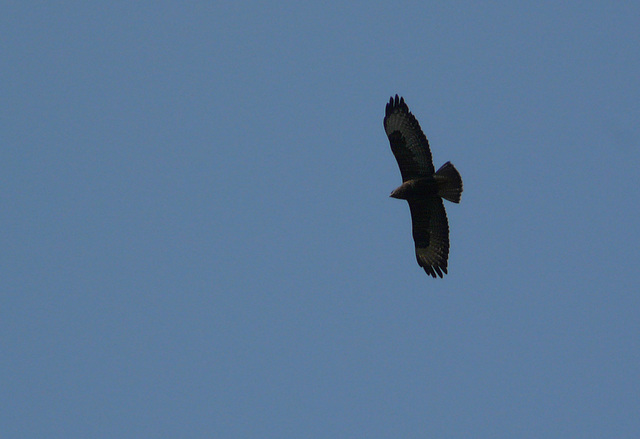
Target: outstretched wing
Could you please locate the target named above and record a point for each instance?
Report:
(408, 142)
(431, 234)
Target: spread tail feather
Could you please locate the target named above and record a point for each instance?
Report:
(449, 182)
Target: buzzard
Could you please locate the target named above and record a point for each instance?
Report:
(422, 186)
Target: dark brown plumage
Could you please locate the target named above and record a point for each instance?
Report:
(422, 186)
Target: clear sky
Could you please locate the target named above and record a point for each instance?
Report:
(198, 240)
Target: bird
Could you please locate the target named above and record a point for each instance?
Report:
(422, 186)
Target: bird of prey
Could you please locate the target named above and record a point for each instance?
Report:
(422, 186)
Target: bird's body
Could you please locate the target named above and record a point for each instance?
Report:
(416, 189)
(422, 186)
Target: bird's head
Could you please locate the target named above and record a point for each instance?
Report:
(400, 192)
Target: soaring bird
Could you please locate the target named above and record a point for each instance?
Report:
(422, 186)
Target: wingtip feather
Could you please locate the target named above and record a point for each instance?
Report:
(396, 103)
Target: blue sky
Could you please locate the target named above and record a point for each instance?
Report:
(198, 240)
